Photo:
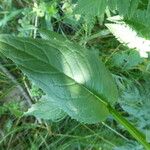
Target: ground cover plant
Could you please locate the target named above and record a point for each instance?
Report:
(74, 74)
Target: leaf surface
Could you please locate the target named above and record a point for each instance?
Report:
(91, 8)
(73, 77)
(45, 109)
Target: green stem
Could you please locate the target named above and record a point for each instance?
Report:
(139, 136)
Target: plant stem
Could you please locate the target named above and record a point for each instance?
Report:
(139, 136)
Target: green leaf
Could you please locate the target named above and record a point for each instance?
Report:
(140, 22)
(112, 4)
(91, 8)
(122, 6)
(73, 77)
(126, 59)
(50, 35)
(133, 7)
(9, 17)
(45, 109)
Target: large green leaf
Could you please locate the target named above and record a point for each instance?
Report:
(73, 77)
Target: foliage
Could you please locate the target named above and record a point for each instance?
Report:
(126, 35)
(71, 69)
(126, 60)
(76, 82)
(44, 105)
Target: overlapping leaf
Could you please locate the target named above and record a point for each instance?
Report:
(45, 109)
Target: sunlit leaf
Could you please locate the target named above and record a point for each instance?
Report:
(73, 77)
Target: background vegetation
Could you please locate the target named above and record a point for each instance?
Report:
(84, 23)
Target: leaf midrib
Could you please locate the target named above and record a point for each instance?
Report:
(87, 89)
